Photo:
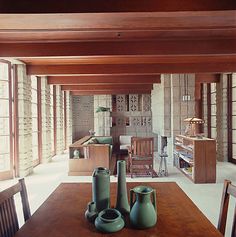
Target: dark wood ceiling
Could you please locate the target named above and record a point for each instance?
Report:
(119, 42)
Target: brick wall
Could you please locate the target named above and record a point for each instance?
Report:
(83, 116)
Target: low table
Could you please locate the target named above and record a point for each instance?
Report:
(62, 214)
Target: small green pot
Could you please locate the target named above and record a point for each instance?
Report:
(91, 212)
(109, 221)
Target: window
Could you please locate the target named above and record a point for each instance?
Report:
(6, 142)
(231, 118)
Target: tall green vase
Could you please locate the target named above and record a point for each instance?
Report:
(101, 188)
(143, 210)
(122, 203)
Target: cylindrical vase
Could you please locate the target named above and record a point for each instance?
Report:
(122, 203)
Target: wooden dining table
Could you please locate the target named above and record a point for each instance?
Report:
(62, 214)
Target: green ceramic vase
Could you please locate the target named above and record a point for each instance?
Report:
(122, 203)
(143, 210)
(109, 221)
(101, 188)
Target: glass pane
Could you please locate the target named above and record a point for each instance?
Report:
(233, 82)
(213, 87)
(234, 151)
(234, 94)
(213, 98)
(4, 108)
(234, 136)
(34, 110)
(213, 133)
(213, 121)
(233, 122)
(4, 126)
(233, 108)
(213, 109)
(4, 89)
(34, 124)
(3, 71)
(34, 82)
(5, 162)
(4, 145)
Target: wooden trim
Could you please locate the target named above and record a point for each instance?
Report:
(209, 110)
(65, 121)
(39, 105)
(16, 121)
(55, 118)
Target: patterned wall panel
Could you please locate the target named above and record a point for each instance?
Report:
(120, 103)
(133, 102)
(146, 102)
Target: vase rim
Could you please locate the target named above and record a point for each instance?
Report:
(101, 170)
(112, 210)
(143, 189)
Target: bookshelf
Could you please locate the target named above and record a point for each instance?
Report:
(196, 158)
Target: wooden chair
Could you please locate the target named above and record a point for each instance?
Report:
(141, 156)
(8, 217)
(228, 190)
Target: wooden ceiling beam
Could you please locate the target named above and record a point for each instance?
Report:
(106, 87)
(80, 80)
(53, 6)
(207, 78)
(119, 22)
(110, 92)
(134, 69)
(149, 59)
(129, 48)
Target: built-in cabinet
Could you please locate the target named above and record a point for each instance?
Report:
(196, 158)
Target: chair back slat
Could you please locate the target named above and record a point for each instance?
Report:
(8, 216)
(142, 147)
(228, 190)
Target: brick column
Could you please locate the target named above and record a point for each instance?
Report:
(25, 122)
(46, 125)
(60, 125)
(221, 119)
(69, 118)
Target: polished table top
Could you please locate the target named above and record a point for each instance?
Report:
(62, 214)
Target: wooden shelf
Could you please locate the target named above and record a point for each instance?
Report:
(203, 162)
